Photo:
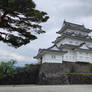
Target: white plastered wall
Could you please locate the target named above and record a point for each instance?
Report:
(70, 41)
(84, 56)
(76, 31)
(52, 58)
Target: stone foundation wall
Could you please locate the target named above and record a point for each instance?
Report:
(55, 73)
(79, 79)
(22, 76)
(50, 74)
(80, 67)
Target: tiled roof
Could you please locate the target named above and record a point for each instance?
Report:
(74, 47)
(60, 50)
(52, 50)
(74, 36)
(43, 51)
(69, 46)
(74, 26)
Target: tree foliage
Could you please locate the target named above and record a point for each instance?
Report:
(18, 17)
(7, 67)
(29, 65)
(90, 68)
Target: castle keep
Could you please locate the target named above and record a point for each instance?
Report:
(73, 45)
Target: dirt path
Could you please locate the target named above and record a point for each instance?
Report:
(54, 88)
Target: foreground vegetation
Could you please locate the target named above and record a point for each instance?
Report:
(10, 67)
(7, 67)
(19, 19)
(75, 73)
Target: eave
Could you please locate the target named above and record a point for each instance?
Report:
(75, 48)
(44, 51)
(88, 50)
(72, 37)
(67, 25)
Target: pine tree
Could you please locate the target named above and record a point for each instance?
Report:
(20, 18)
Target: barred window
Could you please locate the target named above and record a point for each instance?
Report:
(53, 56)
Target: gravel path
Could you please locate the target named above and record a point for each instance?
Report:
(54, 88)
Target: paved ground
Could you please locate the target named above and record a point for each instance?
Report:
(60, 88)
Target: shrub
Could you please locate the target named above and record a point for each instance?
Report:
(90, 68)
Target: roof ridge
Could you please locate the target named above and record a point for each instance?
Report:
(67, 23)
(82, 44)
(74, 26)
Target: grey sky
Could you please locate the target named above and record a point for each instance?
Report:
(76, 11)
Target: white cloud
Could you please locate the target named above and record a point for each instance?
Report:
(10, 55)
(76, 11)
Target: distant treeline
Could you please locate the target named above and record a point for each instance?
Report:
(9, 67)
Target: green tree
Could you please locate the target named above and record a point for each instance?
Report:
(7, 67)
(29, 65)
(20, 18)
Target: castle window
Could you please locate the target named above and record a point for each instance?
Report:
(53, 56)
(70, 57)
(70, 41)
(73, 57)
(80, 56)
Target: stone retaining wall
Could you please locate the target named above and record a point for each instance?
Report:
(55, 73)
(50, 74)
(22, 76)
(80, 67)
(79, 79)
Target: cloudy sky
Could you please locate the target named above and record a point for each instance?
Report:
(76, 11)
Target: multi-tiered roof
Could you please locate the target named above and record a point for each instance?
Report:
(71, 26)
(68, 25)
(63, 34)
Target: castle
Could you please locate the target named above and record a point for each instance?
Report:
(73, 45)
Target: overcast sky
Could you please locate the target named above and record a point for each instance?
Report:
(76, 11)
